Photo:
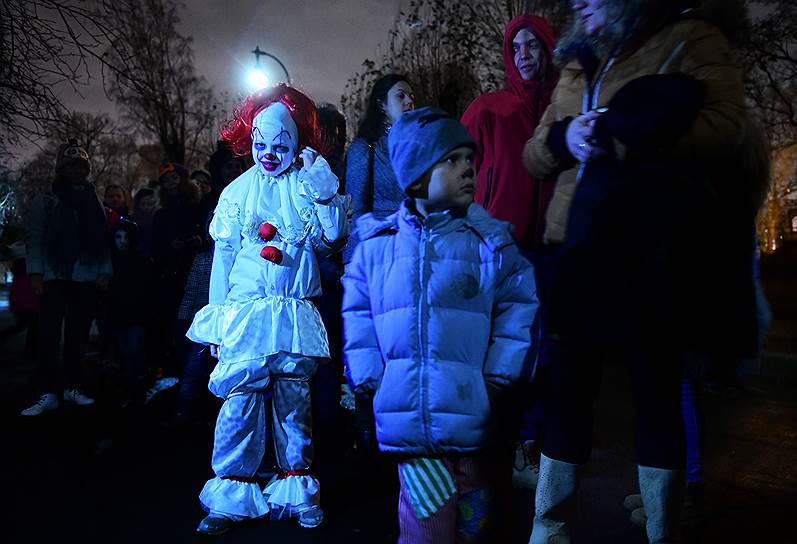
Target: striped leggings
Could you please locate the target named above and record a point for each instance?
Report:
(466, 517)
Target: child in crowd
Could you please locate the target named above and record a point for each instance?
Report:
(116, 200)
(438, 310)
(130, 304)
(198, 363)
(145, 204)
(270, 226)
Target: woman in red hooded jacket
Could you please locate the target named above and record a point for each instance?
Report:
(502, 122)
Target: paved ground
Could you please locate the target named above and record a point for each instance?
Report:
(98, 474)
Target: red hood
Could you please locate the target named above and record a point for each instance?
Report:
(542, 29)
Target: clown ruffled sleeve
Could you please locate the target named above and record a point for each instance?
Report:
(331, 223)
(225, 229)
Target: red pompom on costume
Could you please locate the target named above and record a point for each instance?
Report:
(271, 253)
(267, 231)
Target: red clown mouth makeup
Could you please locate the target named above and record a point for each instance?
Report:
(270, 162)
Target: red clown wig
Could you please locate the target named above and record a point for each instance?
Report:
(238, 132)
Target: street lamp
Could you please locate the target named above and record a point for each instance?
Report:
(257, 77)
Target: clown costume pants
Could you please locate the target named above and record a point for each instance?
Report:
(242, 431)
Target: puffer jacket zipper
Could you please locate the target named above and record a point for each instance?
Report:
(422, 339)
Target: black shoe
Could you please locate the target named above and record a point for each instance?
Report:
(214, 525)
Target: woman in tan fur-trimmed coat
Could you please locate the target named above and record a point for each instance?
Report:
(659, 174)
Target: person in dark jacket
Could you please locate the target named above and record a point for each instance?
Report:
(145, 204)
(130, 304)
(198, 362)
(116, 200)
(643, 129)
(176, 240)
(68, 263)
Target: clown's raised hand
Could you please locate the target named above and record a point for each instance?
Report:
(308, 156)
(318, 183)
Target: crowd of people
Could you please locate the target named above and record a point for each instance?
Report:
(465, 279)
(87, 260)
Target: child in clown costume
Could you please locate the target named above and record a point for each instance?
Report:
(270, 225)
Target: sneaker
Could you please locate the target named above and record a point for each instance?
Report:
(214, 525)
(75, 396)
(47, 402)
(160, 385)
(311, 518)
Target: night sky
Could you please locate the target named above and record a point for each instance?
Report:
(321, 42)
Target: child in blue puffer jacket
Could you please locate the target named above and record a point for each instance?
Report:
(438, 310)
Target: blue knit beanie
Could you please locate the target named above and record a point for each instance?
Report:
(420, 139)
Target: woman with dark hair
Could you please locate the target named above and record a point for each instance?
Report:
(649, 137)
(333, 134)
(369, 177)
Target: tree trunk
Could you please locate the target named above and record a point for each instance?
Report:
(175, 151)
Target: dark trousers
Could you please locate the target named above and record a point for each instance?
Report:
(572, 380)
(129, 343)
(694, 415)
(531, 425)
(71, 306)
(194, 384)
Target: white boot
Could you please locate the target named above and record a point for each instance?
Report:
(663, 493)
(554, 502)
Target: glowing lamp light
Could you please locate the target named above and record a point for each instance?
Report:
(257, 79)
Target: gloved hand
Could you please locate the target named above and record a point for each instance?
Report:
(318, 183)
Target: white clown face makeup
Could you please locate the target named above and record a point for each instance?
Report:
(274, 139)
